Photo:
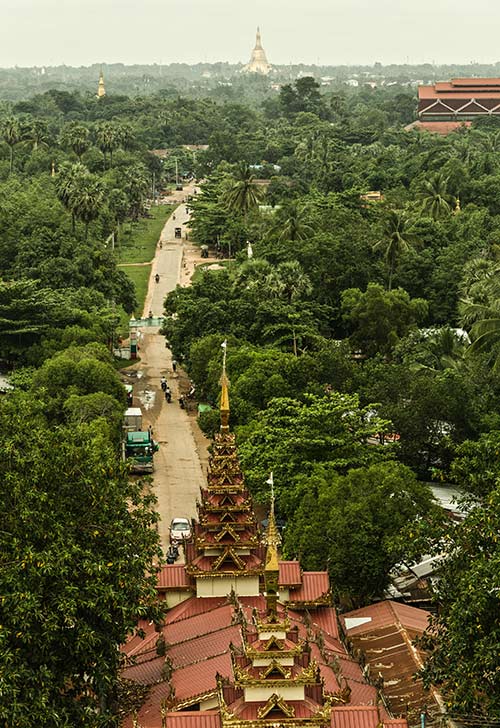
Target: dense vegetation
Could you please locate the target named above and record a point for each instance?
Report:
(352, 320)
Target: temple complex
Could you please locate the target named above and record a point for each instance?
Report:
(249, 640)
(258, 62)
(445, 106)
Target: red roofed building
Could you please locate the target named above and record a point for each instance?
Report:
(385, 633)
(457, 102)
(249, 640)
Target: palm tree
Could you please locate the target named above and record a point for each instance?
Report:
(86, 200)
(436, 200)
(444, 348)
(107, 137)
(11, 134)
(67, 182)
(135, 184)
(480, 306)
(251, 276)
(289, 223)
(243, 195)
(76, 137)
(288, 281)
(397, 239)
(36, 133)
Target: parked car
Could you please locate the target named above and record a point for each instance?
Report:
(180, 529)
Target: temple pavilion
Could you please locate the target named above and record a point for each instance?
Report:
(258, 61)
(249, 640)
(449, 105)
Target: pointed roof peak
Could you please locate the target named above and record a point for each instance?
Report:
(224, 395)
(258, 42)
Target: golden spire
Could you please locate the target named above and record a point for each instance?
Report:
(258, 42)
(101, 91)
(271, 569)
(457, 206)
(53, 169)
(224, 395)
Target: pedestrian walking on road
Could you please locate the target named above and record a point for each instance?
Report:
(174, 366)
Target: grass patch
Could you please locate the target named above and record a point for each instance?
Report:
(138, 240)
(203, 266)
(139, 275)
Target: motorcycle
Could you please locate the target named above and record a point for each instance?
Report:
(172, 553)
(182, 403)
(168, 395)
(157, 278)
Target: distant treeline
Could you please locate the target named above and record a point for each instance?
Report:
(202, 78)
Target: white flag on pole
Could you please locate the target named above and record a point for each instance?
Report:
(270, 481)
(224, 344)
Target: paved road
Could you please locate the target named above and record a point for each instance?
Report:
(167, 262)
(178, 464)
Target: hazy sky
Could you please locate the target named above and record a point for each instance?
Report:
(82, 32)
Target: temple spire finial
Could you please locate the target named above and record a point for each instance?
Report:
(101, 91)
(224, 396)
(271, 568)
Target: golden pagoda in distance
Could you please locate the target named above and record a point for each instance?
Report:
(101, 91)
(258, 62)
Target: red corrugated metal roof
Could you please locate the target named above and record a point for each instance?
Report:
(386, 641)
(201, 648)
(290, 573)
(194, 719)
(199, 678)
(173, 576)
(315, 584)
(385, 613)
(193, 606)
(356, 716)
(326, 619)
(146, 672)
(185, 629)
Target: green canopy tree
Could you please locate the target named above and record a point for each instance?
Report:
(290, 437)
(463, 660)
(377, 318)
(352, 524)
(77, 569)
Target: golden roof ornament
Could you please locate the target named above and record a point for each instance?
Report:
(101, 91)
(271, 568)
(457, 206)
(224, 395)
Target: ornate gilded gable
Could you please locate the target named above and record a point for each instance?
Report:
(276, 706)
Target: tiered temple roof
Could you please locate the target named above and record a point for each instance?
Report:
(250, 641)
(457, 102)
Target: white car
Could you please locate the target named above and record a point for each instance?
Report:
(180, 529)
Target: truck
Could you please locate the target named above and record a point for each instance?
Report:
(139, 451)
(138, 446)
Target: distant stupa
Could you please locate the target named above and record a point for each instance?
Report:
(258, 61)
(101, 91)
